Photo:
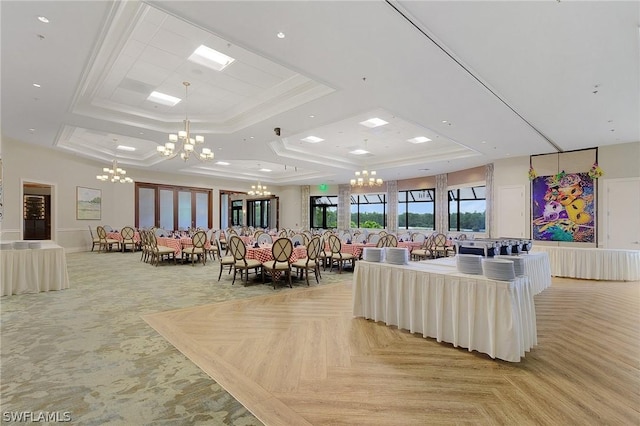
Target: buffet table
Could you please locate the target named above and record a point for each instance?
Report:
(33, 270)
(536, 266)
(593, 263)
(493, 317)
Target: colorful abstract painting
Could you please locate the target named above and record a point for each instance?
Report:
(564, 208)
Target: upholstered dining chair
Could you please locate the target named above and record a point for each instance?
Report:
(128, 234)
(337, 257)
(311, 261)
(425, 251)
(225, 260)
(440, 245)
(281, 251)
(94, 238)
(105, 243)
(213, 249)
(199, 240)
(159, 252)
(239, 253)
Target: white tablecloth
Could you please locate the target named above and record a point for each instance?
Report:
(33, 270)
(494, 317)
(593, 263)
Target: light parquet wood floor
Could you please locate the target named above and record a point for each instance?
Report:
(299, 357)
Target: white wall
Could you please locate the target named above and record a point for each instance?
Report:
(28, 163)
(23, 162)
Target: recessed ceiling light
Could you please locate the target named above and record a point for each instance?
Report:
(163, 99)
(43, 19)
(223, 163)
(210, 58)
(32, 130)
(374, 122)
(264, 170)
(419, 139)
(445, 121)
(359, 152)
(312, 116)
(280, 35)
(312, 139)
(36, 85)
(250, 137)
(126, 148)
(484, 141)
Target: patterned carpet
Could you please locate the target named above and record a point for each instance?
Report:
(85, 352)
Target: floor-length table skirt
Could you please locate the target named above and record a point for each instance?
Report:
(470, 311)
(593, 263)
(33, 270)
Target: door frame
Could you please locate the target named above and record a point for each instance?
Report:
(606, 183)
(54, 205)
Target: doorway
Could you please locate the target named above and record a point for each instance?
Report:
(36, 211)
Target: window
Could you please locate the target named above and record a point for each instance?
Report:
(467, 208)
(368, 211)
(416, 209)
(324, 212)
(236, 213)
(172, 207)
(258, 213)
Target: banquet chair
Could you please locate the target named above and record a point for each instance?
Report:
(440, 245)
(264, 238)
(159, 252)
(241, 263)
(199, 240)
(360, 238)
(94, 239)
(311, 261)
(425, 251)
(283, 233)
(335, 245)
(128, 234)
(104, 242)
(225, 260)
(257, 233)
(382, 242)
(144, 245)
(213, 248)
(281, 250)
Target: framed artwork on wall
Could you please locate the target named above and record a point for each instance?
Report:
(88, 203)
(564, 208)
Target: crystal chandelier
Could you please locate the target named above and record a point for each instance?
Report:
(114, 174)
(186, 140)
(259, 190)
(366, 178)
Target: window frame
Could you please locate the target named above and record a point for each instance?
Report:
(454, 195)
(407, 203)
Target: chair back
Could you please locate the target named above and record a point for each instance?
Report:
(282, 249)
(439, 241)
(297, 240)
(313, 248)
(102, 233)
(392, 241)
(264, 238)
(382, 241)
(382, 233)
(462, 237)
(91, 232)
(282, 233)
(199, 239)
(418, 237)
(335, 245)
(258, 233)
(237, 247)
(127, 233)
